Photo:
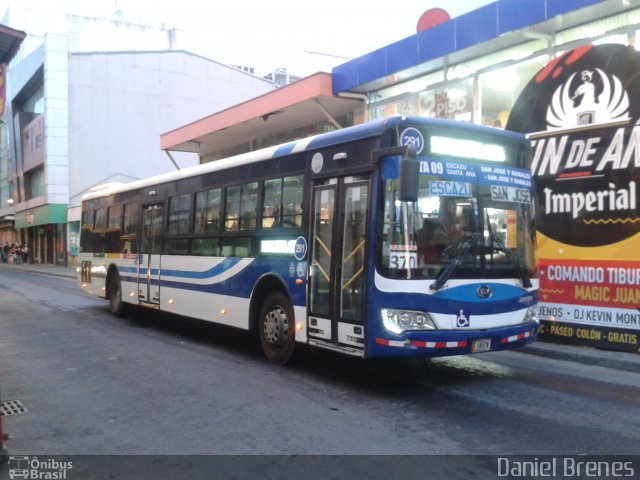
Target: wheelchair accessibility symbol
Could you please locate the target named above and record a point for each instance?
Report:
(462, 320)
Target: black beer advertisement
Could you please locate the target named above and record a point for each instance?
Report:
(582, 115)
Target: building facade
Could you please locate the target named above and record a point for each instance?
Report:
(77, 118)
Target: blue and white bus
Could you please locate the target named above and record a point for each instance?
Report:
(406, 236)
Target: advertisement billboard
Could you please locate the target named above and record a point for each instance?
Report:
(582, 114)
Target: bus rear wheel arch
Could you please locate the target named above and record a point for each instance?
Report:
(276, 327)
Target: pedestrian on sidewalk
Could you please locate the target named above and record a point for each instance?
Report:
(25, 253)
(5, 252)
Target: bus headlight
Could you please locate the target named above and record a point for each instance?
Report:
(398, 321)
(531, 315)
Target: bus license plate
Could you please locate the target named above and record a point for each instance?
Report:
(481, 345)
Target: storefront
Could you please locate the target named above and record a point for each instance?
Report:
(43, 230)
(484, 88)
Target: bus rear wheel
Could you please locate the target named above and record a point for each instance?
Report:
(277, 328)
(116, 304)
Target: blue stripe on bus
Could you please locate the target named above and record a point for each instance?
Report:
(223, 266)
(285, 149)
(241, 284)
(468, 292)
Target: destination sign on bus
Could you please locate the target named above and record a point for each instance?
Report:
(510, 194)
(278, 246)
(463, 148)
(449, 188)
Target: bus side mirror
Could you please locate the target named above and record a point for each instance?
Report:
(409, 175)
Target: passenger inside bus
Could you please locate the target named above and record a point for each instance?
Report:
(424, 239)
(447, 231)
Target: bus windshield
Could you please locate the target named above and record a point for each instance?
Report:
(458, 230)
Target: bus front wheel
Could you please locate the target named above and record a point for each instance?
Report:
(115, 295)
(277, 328)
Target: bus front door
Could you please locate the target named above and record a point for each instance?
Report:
(149, 259)
(338, 267)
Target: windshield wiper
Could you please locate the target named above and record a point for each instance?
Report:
(462, 247)
(515, 261)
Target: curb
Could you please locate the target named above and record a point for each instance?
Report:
(618, 360)
(52, 274)
(42, 271)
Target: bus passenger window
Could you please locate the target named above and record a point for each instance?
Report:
(236, 247)
(272, 199)
(179, 210)
(205, 246)
(282, 203)
(232, 209)
(248, 205)
(207, 215)
(130, 227)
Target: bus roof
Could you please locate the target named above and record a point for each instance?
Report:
(337, 137)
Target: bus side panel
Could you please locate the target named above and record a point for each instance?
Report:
(218, 289)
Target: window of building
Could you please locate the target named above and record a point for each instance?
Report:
(401, 98)
(452, 100)
(599, 29)
(500, 88)
(34, 183)
(35, 102)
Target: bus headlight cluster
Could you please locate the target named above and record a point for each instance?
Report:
(531, 315)
(398, 321)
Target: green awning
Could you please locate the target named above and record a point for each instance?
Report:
(44, 215)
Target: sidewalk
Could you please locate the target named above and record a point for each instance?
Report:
(586, 355)
(54, 270)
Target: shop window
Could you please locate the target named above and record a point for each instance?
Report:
(598, 29)
(453, 100)
(500, 88)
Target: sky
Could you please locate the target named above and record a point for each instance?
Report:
(303, 37)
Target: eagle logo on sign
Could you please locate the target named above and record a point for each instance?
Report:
(597, 98)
